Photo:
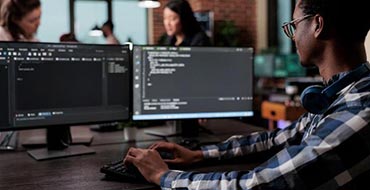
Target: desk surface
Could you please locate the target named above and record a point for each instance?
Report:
(19, 171)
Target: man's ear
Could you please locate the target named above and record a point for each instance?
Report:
(318, 26)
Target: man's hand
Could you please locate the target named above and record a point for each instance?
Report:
(148, 162)
(182, 155)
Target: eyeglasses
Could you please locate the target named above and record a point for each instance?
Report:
(289, 27)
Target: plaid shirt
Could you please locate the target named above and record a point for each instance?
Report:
(325, 151)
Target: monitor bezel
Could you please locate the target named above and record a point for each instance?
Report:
(198, 115)
(11, 127)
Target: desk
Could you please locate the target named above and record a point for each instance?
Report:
(19, 171)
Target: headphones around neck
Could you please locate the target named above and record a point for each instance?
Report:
(316, 99)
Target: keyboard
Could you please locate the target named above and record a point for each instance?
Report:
(118, 171)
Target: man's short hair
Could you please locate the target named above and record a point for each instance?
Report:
(348, 19)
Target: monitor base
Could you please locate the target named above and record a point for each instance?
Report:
(106, 127)
(180, 131)
(59, 140)
(81, 135)
(164, 131)
(73, 150)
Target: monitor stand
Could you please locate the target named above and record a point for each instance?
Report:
(38, 138)
(106, 127)
(187, 129)
(58, 145)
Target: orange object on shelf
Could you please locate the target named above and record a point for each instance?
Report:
(274, 111)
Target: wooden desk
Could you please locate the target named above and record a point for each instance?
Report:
(19, 171)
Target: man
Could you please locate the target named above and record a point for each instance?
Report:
(328, 149)
(107, 29)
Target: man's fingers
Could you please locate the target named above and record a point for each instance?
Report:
(133, 152)
(153, 146)
(129, 159)
(132, 155)
(169, 161)
(157, 144)
(172, 161)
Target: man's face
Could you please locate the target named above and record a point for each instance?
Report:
(304, 37)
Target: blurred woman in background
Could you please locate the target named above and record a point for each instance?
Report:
(182, 28)
(19, 20)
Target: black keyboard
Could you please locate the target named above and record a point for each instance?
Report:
(118, 171)
(129, 173)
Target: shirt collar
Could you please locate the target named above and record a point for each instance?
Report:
(335, 78)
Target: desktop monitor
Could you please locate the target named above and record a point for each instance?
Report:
(180, 83)
(278, 65)
(264, 65)
(53, 86)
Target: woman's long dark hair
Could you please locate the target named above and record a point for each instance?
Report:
(12, 10)
(189, 24)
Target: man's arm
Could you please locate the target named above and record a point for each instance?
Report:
(258, 141)
(325, 159)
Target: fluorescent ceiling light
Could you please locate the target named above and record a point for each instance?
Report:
(149, 4)
(96, 31)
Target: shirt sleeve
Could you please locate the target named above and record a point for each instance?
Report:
(325, 159)
(257, 142)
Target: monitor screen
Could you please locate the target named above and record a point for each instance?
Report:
(192, 82)
(46, 84)
(278, 65)
(264, 65)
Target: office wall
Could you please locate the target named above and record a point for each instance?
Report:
(54, 20)
(129, 19)
(87, 15)
(242, 12)
(130, 22)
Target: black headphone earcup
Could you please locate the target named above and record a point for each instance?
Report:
(313, 100)
(317, 99)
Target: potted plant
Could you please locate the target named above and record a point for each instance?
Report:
(227, 34)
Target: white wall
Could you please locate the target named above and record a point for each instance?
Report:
(54, 20)
(129, 20)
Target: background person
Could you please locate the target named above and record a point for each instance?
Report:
(328, 148)
(20, 20)
(182, 28)
(107, 29)
(68, 37)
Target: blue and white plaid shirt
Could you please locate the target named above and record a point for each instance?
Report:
(325, 151)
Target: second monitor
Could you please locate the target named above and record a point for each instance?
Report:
(54, 86)
(172, 83)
